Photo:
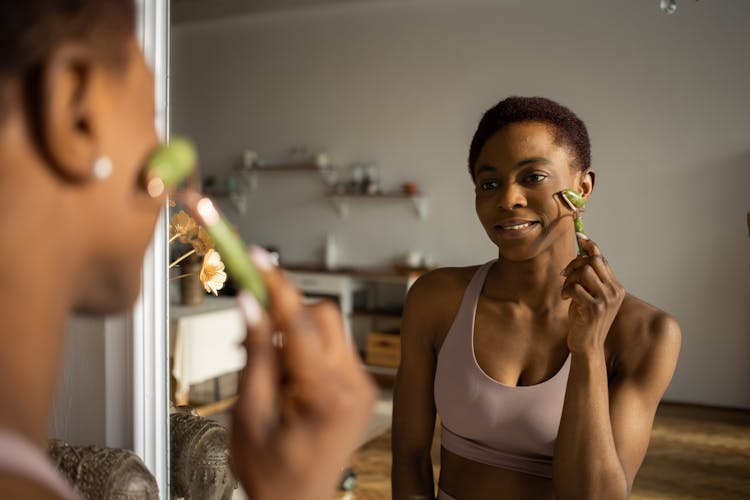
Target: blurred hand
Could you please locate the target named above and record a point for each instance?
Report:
(595, 295)
(302, 408)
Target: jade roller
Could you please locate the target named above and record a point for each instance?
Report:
(169, 166)
(577, 204)
(228, 243)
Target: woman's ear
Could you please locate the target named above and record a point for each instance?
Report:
(65, 120)
(586, 185)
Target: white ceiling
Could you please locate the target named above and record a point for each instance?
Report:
(183, 11)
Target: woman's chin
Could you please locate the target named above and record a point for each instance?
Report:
(517, 256)
(109, 298)
(516, 251)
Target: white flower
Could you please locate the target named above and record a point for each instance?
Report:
(212, 273)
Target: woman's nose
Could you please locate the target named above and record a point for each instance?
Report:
(511, 196)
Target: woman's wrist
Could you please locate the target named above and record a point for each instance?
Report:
(593, 356)
(590, 347)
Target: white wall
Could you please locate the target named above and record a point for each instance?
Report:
(94, 401)
(80, 406)
(666, 99)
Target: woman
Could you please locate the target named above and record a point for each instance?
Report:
(545, 373)
(76, 127)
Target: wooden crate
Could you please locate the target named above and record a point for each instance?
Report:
(383, 349)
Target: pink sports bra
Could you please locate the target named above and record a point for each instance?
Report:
(483, 420)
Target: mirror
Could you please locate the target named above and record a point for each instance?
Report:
(294, 104)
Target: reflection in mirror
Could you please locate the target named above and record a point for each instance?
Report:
(206, 355)
(336, 134)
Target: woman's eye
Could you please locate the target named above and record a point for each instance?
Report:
(487, 185)
(534, 178)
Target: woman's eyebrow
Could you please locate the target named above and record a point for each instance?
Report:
(485, 168)
(532, 161)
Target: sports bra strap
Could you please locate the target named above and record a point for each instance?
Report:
(19, 457)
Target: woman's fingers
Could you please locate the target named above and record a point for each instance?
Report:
(589, 279)
(312, 334)
(290, 317)
(257, 410)
(330, 327)
(588, 244)
(590, 271)
(592, 249)
(580, 296)
(595, 259)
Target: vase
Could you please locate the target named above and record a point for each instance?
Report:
(191, 288)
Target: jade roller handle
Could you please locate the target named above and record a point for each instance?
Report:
(576, 202)
(233, 252)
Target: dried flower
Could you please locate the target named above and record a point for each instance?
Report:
(212, 273)
(183, 226)
(202, 242)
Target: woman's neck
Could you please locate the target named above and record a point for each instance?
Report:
(536, 282)
(37, 287)
(34, 311)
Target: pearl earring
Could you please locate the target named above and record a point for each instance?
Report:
(102, 168)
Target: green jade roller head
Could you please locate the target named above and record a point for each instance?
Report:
(577, 204)
(169, 166)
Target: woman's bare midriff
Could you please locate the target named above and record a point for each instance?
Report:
(466, 479)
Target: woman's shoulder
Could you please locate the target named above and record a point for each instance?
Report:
(442, 282)
(434, 299)
(641, 332)
(638, 317)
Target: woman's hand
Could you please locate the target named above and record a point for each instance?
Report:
(303, 407)
(595, 295)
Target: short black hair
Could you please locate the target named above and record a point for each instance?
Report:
(31, 29)
(569, 130)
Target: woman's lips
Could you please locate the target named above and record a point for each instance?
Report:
(516, 228)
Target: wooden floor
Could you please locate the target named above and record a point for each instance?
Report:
(695, 453)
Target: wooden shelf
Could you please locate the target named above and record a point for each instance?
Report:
(381, 370)
(392, 195)
(341, 201)
(286, 167)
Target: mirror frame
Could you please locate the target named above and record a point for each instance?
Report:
(147, 323)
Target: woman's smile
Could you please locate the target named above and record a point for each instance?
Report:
(516, 228)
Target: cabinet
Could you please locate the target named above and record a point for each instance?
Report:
(383, 349)
(338, 287)
(371, 303)
(205, 343)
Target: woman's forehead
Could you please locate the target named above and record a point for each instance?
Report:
(517, 141)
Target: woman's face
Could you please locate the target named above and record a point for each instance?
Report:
(123, 215)
(518, 173)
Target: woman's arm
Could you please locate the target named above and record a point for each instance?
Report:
(606, 424)
(413, 402)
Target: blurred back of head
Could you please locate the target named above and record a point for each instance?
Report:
(31, 29)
